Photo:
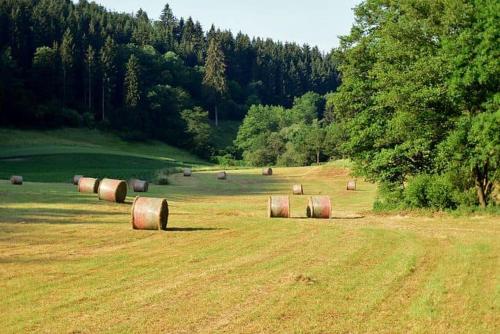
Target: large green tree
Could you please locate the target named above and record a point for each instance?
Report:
(411, 70)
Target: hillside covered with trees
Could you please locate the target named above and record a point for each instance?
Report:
(67, 64)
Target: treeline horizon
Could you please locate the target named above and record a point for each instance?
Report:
(67, 64)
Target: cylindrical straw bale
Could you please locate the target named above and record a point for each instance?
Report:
(278, 207)
(113, 190)
(88, 185)
(76, 178)
(267, 171)
(130, 183)
(221, 175)
(351, 185)
(187, 172)
(319, 207)
(140, 186)
(16, 179)
(149, 213)
(298, 189)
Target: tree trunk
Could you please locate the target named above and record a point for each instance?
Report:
(480, 195)
(480, 187)
(216, 116)
(103, 98)
(64, 88)
(90, 90)
(317, 157)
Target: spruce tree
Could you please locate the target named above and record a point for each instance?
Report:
(107, 58)
(132, 89)
(90, 60)
(215, 74)
(67, 54)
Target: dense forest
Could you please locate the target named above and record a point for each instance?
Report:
(67, 64)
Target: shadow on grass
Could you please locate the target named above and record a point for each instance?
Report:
(54, 216)
(331, 218)
(193, 229)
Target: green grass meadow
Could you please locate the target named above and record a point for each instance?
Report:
(70, 263)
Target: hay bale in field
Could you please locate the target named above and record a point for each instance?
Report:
(76, 178)
(298, 189)
(278, 207)
(187, 172)
(16, 180)
(267, 171)
(88, 185)
(140, 186)
(130, 183)
(112, 190)
(149, 213)
(351, 185)
(319, 207)
(221, 176)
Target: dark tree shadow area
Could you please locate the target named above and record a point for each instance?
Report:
(193, 229)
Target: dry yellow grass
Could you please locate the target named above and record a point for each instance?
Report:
(72, 264)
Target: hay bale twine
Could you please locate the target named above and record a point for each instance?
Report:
(298, 189)
(278, 207)
(76, 178)
(221, 176)
(112, 190)
(149, 213)
(319, 207)
(351, 185)
(140, 186)
(88, 185)
(187, 172)
(16, 180)
(267, 171)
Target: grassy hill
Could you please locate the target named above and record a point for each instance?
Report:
(54, 156)
(73, 264)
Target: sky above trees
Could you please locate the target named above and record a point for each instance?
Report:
(315, 22)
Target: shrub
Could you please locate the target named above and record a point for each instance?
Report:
(430, 191)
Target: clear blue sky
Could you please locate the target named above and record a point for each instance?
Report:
(315, 22)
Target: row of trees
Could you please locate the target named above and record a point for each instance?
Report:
(67, 64)
(418, 110)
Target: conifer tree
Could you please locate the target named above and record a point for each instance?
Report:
(132, 89)
(215, 75)
(107, 58)
(90, 60)
(67, 54)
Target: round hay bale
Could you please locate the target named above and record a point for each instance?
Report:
(221, 176)
(149, 213)
(16, 180)
(76, 178)
(319, 207)
(140, 186)
(112, 190)
(130, 183)
(267, 171)
(298, 189)
(351, 185)
(88, 185)
(278, 207)
(187, 172)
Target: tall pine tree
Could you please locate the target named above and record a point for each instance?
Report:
(132, 87)
(215, 75)
(107, 58)
(67, 59)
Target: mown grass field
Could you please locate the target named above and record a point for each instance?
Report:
(72, 264)
(51, 156)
